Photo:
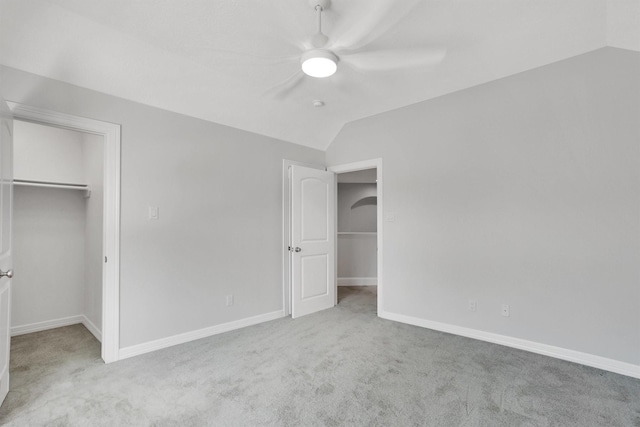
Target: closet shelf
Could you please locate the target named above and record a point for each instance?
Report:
(27, 183)
(357, 232)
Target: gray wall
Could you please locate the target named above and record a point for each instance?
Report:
(207, 180)
(523, 191)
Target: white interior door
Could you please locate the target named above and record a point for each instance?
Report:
(312, 240)
(6, 198)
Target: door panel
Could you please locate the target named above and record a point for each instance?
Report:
(315, 271)
(314, 195)
(313, 237)
(6, 199)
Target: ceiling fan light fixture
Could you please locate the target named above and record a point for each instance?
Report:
(319, 63)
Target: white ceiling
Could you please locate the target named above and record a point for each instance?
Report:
(213, 59)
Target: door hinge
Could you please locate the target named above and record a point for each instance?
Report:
(105, 259)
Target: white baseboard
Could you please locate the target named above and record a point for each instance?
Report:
(92, 328)
(587, 359)
(357, 281)
(48, 324)
(57, 323)
(138, 349)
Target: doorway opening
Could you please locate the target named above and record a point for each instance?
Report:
(365, 212)
(86, 188)
(360, 227)
(57, 228)
(356, 242)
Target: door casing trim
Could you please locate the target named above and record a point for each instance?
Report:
(111, 220)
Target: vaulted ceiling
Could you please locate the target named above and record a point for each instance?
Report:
(237, 62)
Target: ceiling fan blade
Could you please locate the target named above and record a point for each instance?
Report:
(222, 55)
(394, 59)
(381, 16)
(346, 84)
(286, 86)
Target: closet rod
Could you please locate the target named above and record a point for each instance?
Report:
(27, 183)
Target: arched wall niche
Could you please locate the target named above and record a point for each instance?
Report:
(354, 205)
(363, 215)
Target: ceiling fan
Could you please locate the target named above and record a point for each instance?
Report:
(322, 56)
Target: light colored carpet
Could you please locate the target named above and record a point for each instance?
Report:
(343, 366)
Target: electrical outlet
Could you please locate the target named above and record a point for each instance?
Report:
(229, 300)
(154, 212)
(505, 310)
(473, 305)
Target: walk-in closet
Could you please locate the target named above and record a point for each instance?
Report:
(58, 229)
(357, 228)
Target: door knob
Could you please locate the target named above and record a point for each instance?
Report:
(8, 273)
(297, 249)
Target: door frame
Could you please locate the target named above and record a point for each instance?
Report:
(111, 214)
(354, 167)
(286, 230)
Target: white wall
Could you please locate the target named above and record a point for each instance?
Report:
(207, 180)
(357, 259)
(93, 159)
(49, 154)
(48, 255)
(524, 191)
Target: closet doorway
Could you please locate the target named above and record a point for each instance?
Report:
(58, 228)
(66, 224)
(359, 226)
(356, 243)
